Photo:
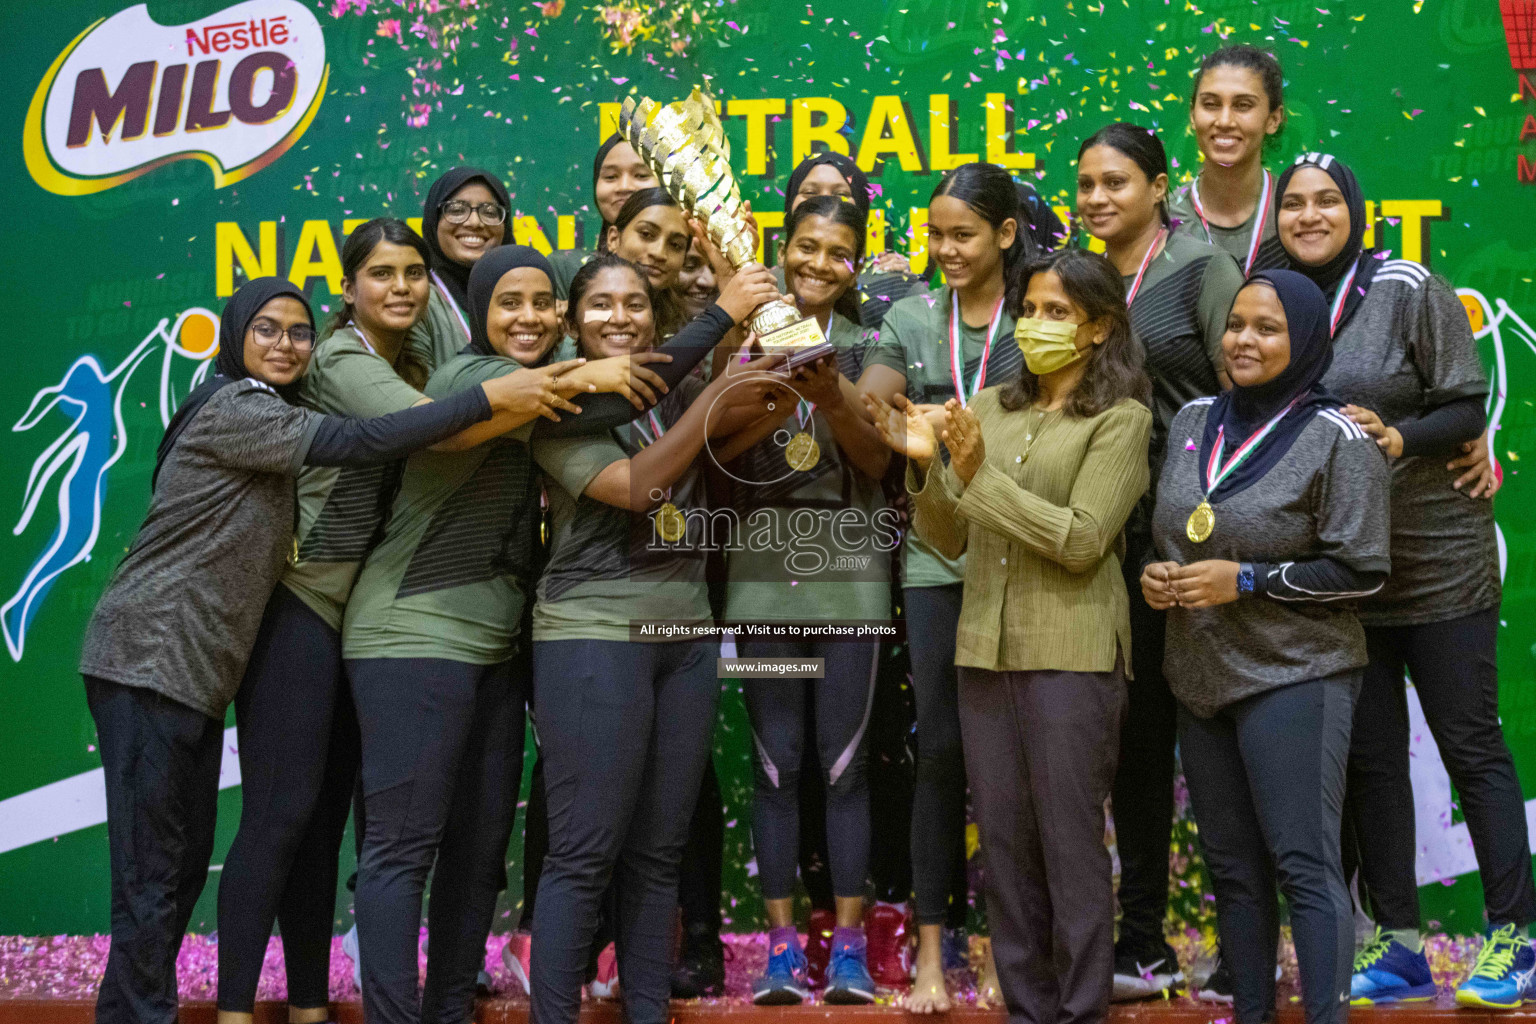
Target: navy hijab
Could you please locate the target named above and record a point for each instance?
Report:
(858, 181)
(488, 272)
(455, 275)
(1354, 254)
(229, 362)
(1241, 411)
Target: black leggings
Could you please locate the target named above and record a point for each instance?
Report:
(160, 764)
(298, 764)
(1266, 781)
(777, 710)
(1143, 791)
(442, 759)
(625, 731)
(1455, 673)
(938, 798)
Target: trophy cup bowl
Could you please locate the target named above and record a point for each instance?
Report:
(685, 146)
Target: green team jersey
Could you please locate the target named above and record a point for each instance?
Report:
(448, 579)
(566, 262)
(914, 341)
(341, 509)
(443, 332)
(813, 544)
(609, 567)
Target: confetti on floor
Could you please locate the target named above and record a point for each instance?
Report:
(69, 966)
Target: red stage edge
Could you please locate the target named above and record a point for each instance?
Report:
(503, 1011)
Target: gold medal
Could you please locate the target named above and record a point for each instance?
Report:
(670, 524)
(1201, 522)
(802, 452)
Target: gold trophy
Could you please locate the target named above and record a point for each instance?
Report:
(685, 145)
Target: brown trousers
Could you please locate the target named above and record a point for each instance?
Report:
(1040, 752)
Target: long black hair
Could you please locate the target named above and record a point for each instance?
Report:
(1116, 367)
(839, 211)
(1262, 63)
(583, 280)
(354, 254)
(1143, 147)
(670, 315)
(991, 194)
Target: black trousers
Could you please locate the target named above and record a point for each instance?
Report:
(1143, 791)
(1266, 781)
(625, 731)
(777, 710)
(299, 754)
(1455, 673)
(442, 760)
(160, 760)
(938, 797)
(1041, 749)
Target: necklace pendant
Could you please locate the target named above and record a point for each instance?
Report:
(670, 524)
(802, 453)
(1201, 522)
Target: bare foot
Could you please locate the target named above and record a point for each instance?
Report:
(928, 993)
(988, 994)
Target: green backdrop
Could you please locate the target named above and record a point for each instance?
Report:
(111, 241)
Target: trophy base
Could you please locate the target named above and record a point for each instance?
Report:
(800, 343)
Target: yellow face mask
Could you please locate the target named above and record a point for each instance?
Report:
(1048, 345)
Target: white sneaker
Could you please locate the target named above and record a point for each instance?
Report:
(606, 984)
(515, 956)
(349, 947)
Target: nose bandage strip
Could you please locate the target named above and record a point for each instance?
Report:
(597, 314)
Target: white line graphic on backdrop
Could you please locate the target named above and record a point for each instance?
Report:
(88, 447)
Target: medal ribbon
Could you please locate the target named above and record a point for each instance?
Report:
(803, 412)
(1258, 224)
(1216, 471)
(442, 290)
(1146, 261)
(654, 434)
(1339, 300)
(364, 339)
(957, 357)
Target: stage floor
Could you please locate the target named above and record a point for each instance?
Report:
(52, 980)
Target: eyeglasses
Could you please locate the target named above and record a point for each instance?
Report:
(456, 211)
(300, 336)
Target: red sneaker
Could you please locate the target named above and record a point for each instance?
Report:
(890, 948)
(818, 946)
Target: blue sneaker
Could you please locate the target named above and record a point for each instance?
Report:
(1386, 971)
(783, 983)
(956, 949)
(1501, 980)
(848, 980)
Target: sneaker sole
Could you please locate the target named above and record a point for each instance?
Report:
(1410, 994)
(1214, 997)
(1129, 989)
(847, 997)
(514, 967)
(1475, 1001)
(780, 997)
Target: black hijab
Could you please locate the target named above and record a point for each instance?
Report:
(455, 275)
(229, 362)
(490, 269)
(1241, 411)
(1354, 254)
(858, 181)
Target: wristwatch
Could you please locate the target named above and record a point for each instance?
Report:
(1245, 579)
